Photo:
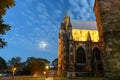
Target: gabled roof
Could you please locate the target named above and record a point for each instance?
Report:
(89, 25)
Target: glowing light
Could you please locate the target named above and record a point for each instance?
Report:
(43, 44)
(13, 69)
(44, 72)
(35, 75)
(47, 67)
(82, 35)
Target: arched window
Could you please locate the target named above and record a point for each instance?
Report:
(96, 63)
(80, 55)
(96, 53)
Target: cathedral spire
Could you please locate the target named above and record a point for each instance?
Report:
(66, 19)
(66, 14)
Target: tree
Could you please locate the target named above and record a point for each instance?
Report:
(55, 63)
(4, 5)
(3, 64)
(35, 65)
(15, 62)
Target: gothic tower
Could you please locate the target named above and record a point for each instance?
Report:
(108, 21)
(65, 48)
(63, 53)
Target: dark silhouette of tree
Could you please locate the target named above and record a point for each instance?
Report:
(55, 63)
(26, 69)
(31, 66)
(14, 62)
(3, 64)
(4, 5)
(35, 65)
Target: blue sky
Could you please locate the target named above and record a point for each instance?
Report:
(35, 26)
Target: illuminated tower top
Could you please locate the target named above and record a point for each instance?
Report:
(66, 19)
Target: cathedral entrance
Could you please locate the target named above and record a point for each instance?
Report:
(80, 62)
(96, 63)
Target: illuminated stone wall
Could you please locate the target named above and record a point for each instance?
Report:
(108, 21)
(82, 35)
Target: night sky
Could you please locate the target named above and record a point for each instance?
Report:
(35, 26)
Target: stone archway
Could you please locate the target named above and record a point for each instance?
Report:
(80, 67)
(96, 63)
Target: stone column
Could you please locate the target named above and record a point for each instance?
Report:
(71, 70)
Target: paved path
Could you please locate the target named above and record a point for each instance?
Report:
(49, 78)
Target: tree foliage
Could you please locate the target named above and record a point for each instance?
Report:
(35, 65)
(15, 62)
(3, 64)
(30, 66)
(4, 5)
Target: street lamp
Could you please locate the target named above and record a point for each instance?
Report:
(47, 68)
(13, 72)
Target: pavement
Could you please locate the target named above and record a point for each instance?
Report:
(49, 78)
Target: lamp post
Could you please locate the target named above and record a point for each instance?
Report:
(13, 72)
(47, 68)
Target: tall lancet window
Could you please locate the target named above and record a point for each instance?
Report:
(96, 53)
(80, 55)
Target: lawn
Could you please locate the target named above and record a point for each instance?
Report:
(22, 78)
(81, 78)
(43, 78)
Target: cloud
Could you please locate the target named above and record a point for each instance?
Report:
(81, 9)
(29, 1)
(28, 16)
(41, 8)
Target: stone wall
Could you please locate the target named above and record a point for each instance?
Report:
(109, 12)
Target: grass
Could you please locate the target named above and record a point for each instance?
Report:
(80, 78)
(22, 78)
(43, 78)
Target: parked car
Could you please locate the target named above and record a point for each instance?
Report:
(4, 74)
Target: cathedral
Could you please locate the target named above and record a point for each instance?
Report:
(86, 48)
(79, 49)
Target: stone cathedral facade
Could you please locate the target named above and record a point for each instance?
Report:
(79, 49)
